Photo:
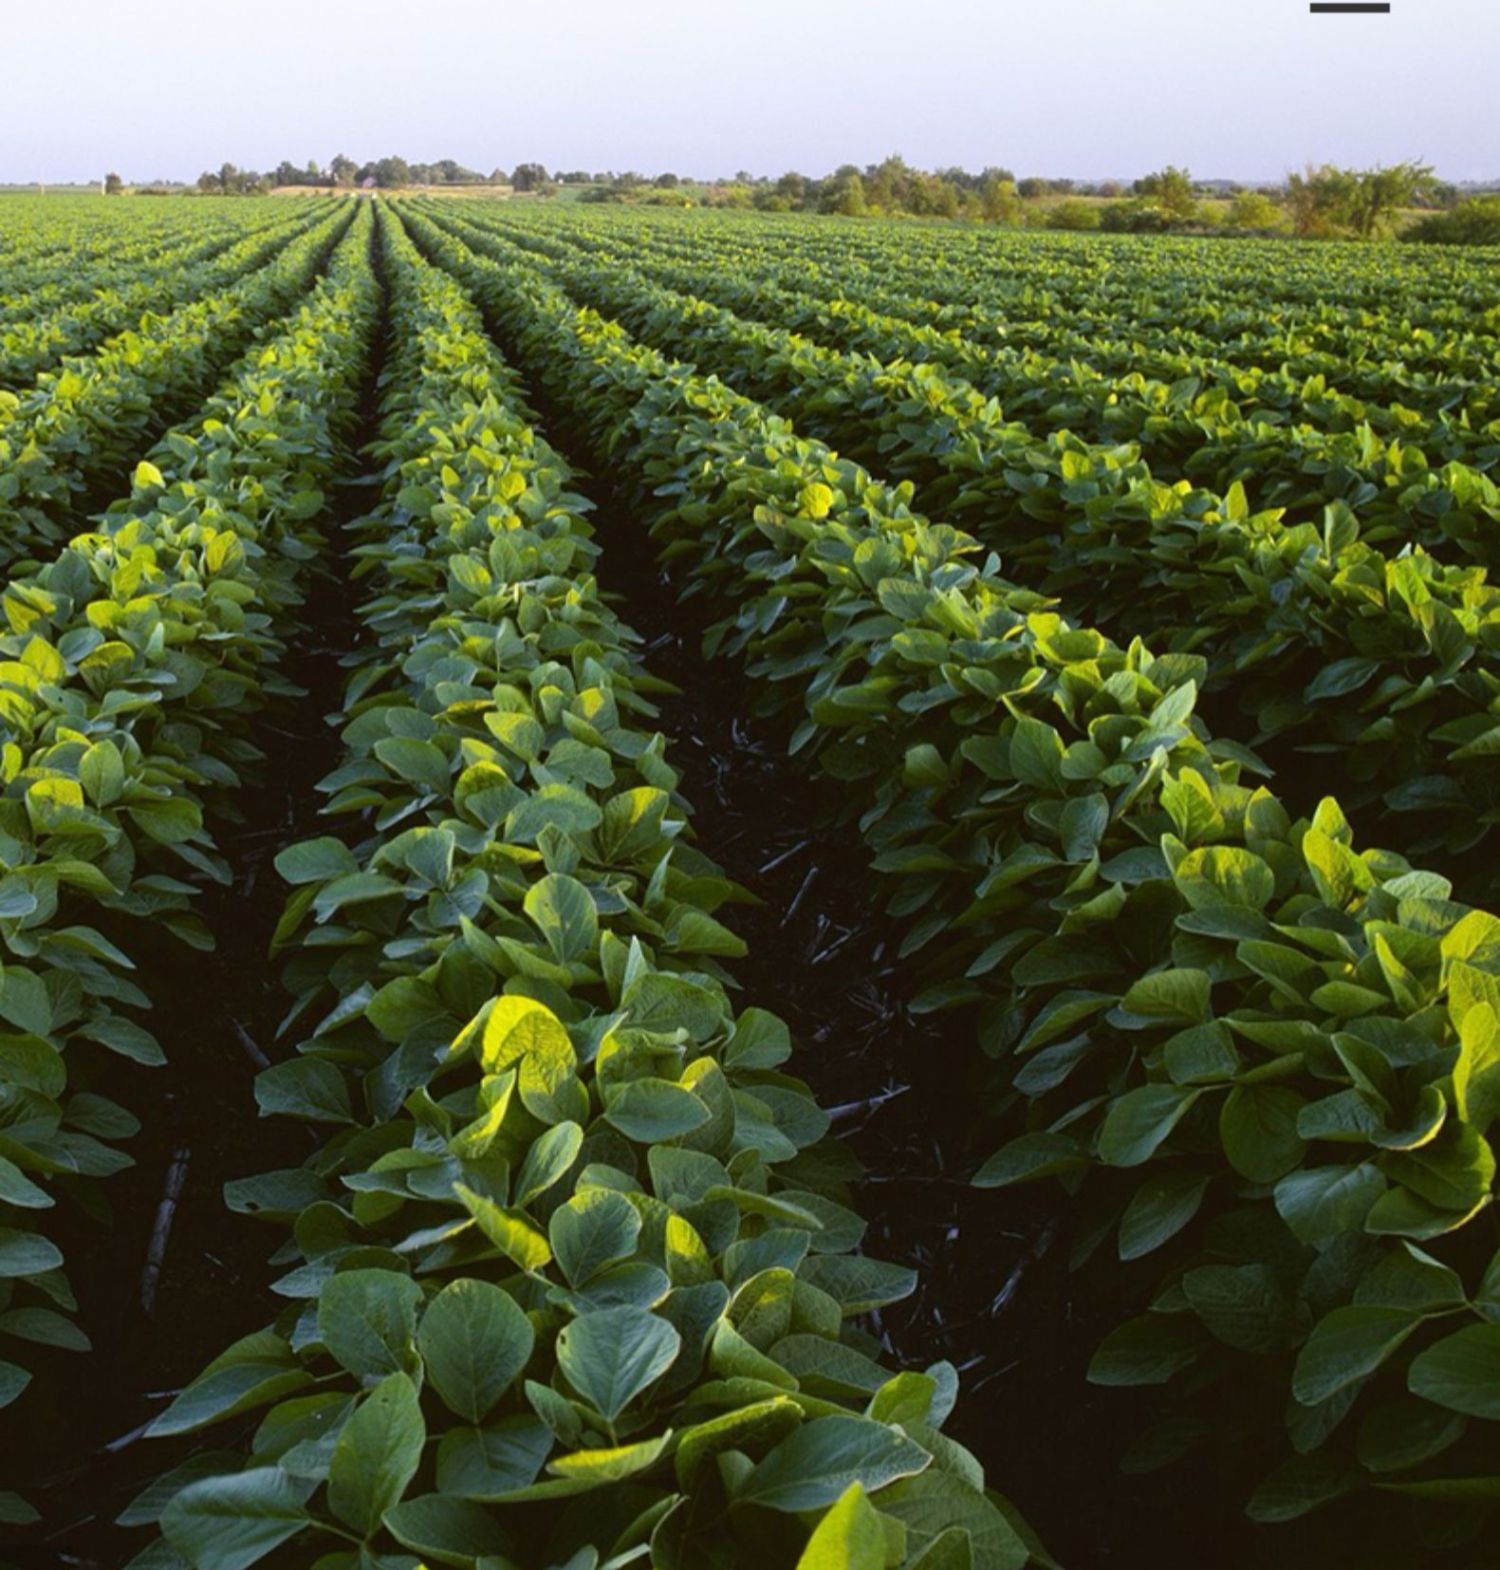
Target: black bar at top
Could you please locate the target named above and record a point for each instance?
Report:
(1327, 7)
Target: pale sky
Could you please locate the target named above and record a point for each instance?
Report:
(1241, 89)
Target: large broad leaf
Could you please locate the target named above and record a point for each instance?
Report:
(1319, 1203)
(256, 1369)
(1461, 1372)
(449, 1531)
(227, 1523)
(816, 1463)
(315, 861)
(26, 1254)
(652, 1110)
(377, 1454)
(367, 1319)
(475, 1341)
(1346, 1345)
(936, 1504)
(1140, 1122)
(1258, 1127)
(547, 1161)
(563, 912)
(849, 1537)
(596, 1228)
(611, 1356)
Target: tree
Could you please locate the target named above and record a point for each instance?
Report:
(667, 181)
(343, 170)
(999, 201)
(113, 184)
(1328, 200)
(528, 177)
(1380, 193)
(1172, 189)
(1253, 210)
(1321, 200)
(391, 171)
(287, 173)
(844, 193)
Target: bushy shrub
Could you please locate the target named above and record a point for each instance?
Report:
(1474, 222)
(1073, 215)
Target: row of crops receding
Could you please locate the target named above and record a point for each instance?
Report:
(1117, 613)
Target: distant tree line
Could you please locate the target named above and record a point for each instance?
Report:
(1321, 201)
(343, 171)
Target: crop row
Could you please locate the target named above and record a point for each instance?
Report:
(131, 662)
(1241, 1039)
(574, 1279)
(79, 426)
(138, 283)
(1378, 324)
(1326, 637)
(49, 252)
(1288, 434)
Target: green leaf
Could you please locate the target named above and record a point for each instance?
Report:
(564, 914)
(611, 1356)
(849, 1537)
(417, 762)
(511, 1231)
(1137, 1125)
(1036, 755)
(951, 1549)
(817, 1462)
(475, 1341)
(256, 1369)
(26, 1254)
(451, 1531)
(1031, 1156)
(548, 1161)
(1258, 1127)
(367, 1320)
(1160, 1208)
(651, 1111)
(310, 1088)
(1144, 1351)
(227, 1523)
(315, 861)
(1320, 1203)
(565, 807)
(1178, 995)
(939, 1505)
(596, 1228)
(376, 1454)
(1348, 1345)
(1461, 1372)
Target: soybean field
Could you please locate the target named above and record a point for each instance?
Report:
(701, 890)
